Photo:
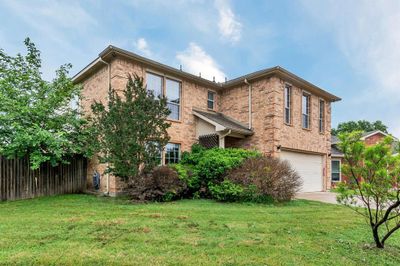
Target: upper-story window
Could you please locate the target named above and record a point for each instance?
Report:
(288, 103)
(305, 106)
(154, 83)
(211, 100)
(321, 116)
(172, 92)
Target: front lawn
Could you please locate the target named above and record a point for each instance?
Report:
(83, 229)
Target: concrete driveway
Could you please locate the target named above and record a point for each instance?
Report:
(326, 197)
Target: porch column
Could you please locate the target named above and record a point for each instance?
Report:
(221, 141)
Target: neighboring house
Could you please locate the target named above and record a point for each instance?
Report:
(272, 110)
(369, 138)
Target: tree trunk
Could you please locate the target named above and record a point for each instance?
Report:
(378, 242)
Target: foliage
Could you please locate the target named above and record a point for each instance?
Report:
(214, 163)
(261, 179)
(193, 157)
(208, 167)
(36, 116)
(361, 125)
(132, 129)
(226, 191)
(375, 176)
(161, 184)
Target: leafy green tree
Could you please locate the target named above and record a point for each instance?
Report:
(361, 125)
(374, 174)
(36, 116)
(131, 129)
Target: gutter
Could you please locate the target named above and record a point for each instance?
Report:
(250, 103)
(109, 88)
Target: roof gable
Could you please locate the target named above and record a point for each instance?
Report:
(112, 51)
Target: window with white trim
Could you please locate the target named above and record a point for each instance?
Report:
(305, 106)
(288, 102)
(210, 100)
(321, 116)
(154, 83)
(335, 170)
(172, 153)
(173, 94)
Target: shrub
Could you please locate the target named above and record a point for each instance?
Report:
(185, 174)
(161, 184)
(265, 177)
(226, 191)
(214, 163)
(193, 157)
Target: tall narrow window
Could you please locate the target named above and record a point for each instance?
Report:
(172, 153)
(211, 100)
(288, 100)
(154, 83)
(335, 171)
(321, 116)
(173, 93)
(306, 111)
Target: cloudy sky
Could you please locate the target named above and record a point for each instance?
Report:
(348, 47)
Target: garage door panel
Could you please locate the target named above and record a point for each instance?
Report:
(308, 166)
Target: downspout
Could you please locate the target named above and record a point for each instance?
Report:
(109, 88)
(250, 104)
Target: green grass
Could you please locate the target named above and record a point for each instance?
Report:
(85, 230)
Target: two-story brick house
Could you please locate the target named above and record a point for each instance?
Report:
(272, 110)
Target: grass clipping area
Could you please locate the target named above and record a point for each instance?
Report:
(86, 230)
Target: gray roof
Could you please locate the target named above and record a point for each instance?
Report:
(335, 152)
(111, 51)
(227, 122)
(334, 140)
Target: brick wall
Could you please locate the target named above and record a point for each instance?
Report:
(182, 132)
(267, 114)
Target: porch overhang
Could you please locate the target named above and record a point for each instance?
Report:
(220, 124)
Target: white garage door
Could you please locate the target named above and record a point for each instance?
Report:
(308, 166)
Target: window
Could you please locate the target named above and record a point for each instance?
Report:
(210, 100)
(306, 111)
(335, 175)
(288, 100)
(321, 116)
(156, 149)
(154, 83)
(172, 153)
(173, 93)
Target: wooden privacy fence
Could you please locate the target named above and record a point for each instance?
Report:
(18, 181)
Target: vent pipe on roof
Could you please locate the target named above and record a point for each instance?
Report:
(250, 104)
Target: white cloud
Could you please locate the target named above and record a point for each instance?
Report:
(229, 27)
(53, 13)
(367, 34)
(142, 46)
(194, 60)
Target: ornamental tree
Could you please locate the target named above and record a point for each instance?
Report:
(131, 129)
(36, 116)
(361, 125)
(373, 190)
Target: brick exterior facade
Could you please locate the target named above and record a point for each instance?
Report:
(267, 97)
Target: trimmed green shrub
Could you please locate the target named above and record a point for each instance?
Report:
(226, 191)
(214, 163)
